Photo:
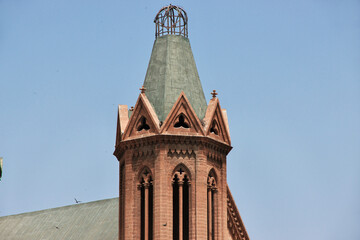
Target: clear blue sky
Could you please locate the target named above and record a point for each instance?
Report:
(288, 72)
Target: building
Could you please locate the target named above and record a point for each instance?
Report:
(171, 148)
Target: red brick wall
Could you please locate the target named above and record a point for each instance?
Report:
(162, 156)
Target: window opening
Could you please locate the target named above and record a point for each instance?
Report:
(211, 183)
(181, 122)
(143, 125)
(175, 208)
(181, 206)
(146, 189)
(214, 128)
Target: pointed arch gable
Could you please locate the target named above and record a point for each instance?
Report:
(216, 125)
(143, 113)
(191, 123)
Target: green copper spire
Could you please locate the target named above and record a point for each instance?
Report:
(172, 67)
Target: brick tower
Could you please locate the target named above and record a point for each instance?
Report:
(172, 149)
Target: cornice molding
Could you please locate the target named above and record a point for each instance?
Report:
(156, 140)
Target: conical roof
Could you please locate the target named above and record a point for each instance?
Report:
(172, 69)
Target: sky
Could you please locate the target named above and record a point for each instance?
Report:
(286, 71)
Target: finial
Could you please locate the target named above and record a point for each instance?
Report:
(131, 109)
(214, 93)
(171, 20)
(142, 89)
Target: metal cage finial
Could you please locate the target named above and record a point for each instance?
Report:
(171, 20)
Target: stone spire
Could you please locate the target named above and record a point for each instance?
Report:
(172, 67)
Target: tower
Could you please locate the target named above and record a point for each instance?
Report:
(172, 149)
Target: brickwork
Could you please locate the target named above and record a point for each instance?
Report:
(181, 143)
(196, 151)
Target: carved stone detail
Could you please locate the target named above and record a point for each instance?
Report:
(215, 158)
(211, 182)
(181, 154)
(143, 153)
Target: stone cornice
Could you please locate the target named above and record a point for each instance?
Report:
(153, 140)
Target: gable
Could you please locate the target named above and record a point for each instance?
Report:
(216, 125)
(143, 120)
(182, 119)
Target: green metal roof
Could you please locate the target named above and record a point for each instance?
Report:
(172, 69)
(90, 221)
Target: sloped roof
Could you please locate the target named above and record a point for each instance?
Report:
(236, 225)
(90, 221)
(172, 69)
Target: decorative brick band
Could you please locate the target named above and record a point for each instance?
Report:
(218, 149)
(181, 154)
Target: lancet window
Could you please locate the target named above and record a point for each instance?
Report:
(181, 206)
(146, 188)
(211, 205)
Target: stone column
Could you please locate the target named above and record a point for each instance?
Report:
(209, 198)
(181, 183)
(146, 208)
(211, 184)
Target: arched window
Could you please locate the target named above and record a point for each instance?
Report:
(146, 189)
(181, 206)
(211, 184)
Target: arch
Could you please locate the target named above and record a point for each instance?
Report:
(212, 204)
(145, 186)
(181, 202)
(181, 168)
(144, 170)
(212, 178)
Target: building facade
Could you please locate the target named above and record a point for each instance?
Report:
(172, 149)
